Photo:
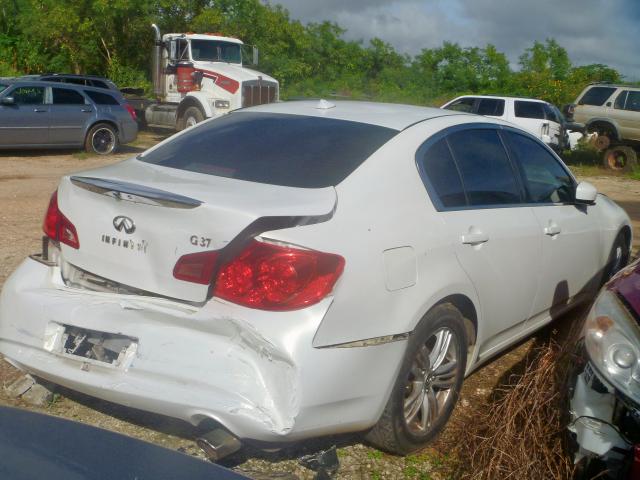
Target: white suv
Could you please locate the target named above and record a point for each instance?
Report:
(540, 118)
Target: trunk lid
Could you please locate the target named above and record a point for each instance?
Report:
(135, 220)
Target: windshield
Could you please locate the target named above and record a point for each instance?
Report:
(215, 51)
(278, 149)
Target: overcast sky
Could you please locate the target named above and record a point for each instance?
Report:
(592, 31)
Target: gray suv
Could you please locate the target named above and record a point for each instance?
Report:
(37, 114)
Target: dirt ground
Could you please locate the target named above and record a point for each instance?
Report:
(27, 180)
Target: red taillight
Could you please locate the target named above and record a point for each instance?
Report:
(273, 277)
(131, 111)
(266, 276)
(196, 267)
(58, 227)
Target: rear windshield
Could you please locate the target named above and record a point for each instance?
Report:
(278, 149)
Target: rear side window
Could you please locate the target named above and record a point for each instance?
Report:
(66, 96)
(438, 167)
(487, 174)
(596, 96)
(491, 106)
(462, 105)
(101, 98)
(546, 180)
(529, 109)
(277, 149)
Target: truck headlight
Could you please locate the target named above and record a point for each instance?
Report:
(222, 104)
(612, 340)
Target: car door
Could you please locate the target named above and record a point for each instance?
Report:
(495, 236)
(26, 121)
(626, 113)
(570, 233)
(70, 116)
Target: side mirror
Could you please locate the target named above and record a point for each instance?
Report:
(7, 101)
(255, 55)
(586, 193)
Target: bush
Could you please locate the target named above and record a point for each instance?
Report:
(584, 154)
(126, 76)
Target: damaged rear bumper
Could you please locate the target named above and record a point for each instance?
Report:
(254, 372)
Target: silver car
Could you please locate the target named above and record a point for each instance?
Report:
(35, 114)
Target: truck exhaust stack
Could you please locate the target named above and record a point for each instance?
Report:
(157, 74)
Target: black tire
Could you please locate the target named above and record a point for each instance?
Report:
(621, 158)
(190, 117)
(394, 432)
(618, 257)
(101, 139)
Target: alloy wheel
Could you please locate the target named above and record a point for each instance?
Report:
(431, 380)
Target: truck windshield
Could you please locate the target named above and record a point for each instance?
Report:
(215, 51)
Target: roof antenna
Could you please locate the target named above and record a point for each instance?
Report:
(324, 105)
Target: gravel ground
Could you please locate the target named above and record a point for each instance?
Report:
(26, 182)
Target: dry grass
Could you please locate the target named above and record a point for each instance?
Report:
(522, 434)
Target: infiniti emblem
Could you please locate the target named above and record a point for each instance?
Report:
(121, 223)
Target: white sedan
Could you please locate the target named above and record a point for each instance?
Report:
(308, 268)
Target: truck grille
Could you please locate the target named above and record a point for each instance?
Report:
(258, 93)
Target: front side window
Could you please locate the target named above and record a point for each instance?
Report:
(487, 174)
(277, 149)
(546, 180)
(552, 113)
(596, 96)
(28, 95)
(2, 86)
(493, 107)
(526, 109)
(66, 96)
(215, 51)
(440, 170)
(462, 105)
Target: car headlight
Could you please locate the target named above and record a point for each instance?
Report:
(222, 104)
(612, 340)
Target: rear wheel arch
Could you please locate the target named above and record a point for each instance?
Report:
(469, 313)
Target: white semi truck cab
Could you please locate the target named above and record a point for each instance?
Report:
(198, 76)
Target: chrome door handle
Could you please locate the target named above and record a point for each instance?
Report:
(39, 110)
(86, 110)
(552, 230)
(474, 238)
